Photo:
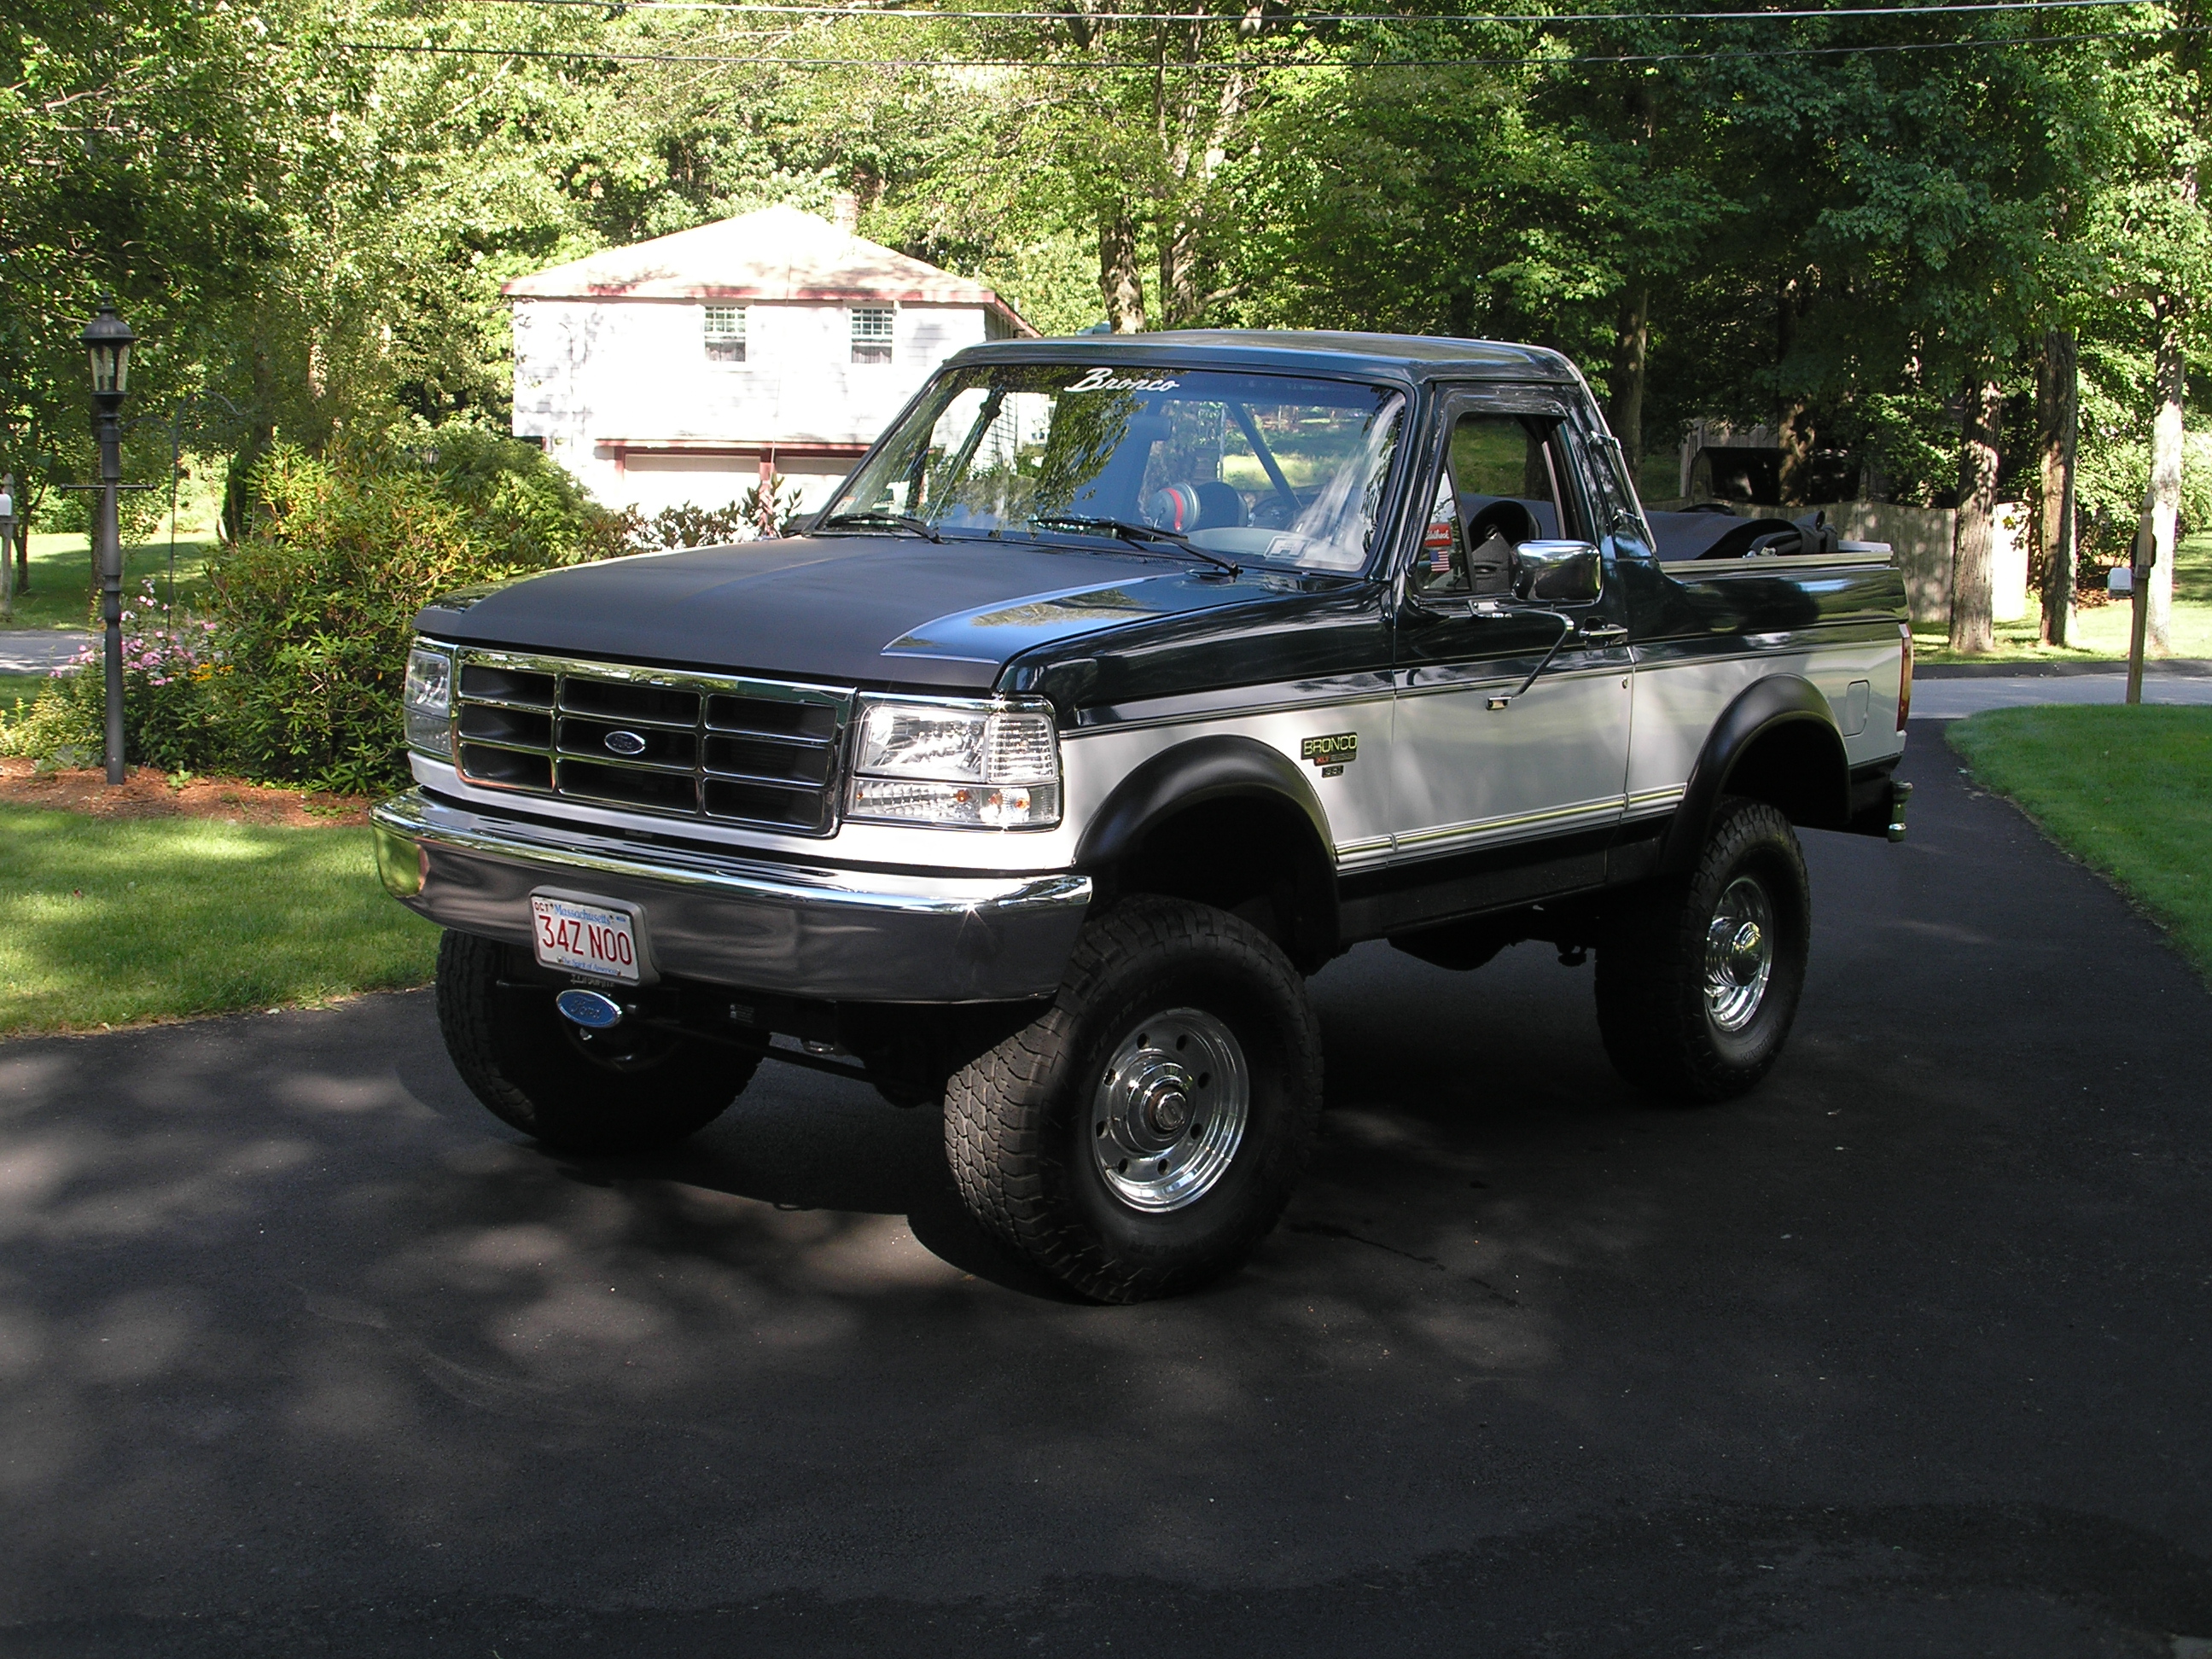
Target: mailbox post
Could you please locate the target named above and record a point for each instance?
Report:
(8, 547)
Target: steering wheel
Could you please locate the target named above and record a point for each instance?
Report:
(1509, 521)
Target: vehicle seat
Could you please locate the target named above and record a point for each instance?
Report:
(1492, 533)
(1183, 508)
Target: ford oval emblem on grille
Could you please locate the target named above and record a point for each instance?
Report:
(625, 742)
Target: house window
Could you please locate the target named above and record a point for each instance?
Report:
(871, 334)
(726, 334)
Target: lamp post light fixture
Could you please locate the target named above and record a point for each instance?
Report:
(106, 340)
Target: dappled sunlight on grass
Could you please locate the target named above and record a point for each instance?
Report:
(63, 589)
(2099, 631)
(109, 921)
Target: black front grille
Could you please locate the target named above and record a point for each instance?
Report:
(697, 746)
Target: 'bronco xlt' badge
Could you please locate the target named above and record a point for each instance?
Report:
(1333, 750)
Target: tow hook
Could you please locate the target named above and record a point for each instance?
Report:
(1900, 793)
(589, 1009)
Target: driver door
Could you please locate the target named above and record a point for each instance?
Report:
(1497, 797)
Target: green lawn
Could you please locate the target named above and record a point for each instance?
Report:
(62, 585)
(2127, 791)
(111, 922)
(2099, 633)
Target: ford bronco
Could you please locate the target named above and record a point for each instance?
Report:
(1124, 684)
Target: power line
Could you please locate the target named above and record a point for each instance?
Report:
(840, 13)
(1086, 65)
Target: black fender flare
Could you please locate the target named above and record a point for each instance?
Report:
(1225, 768)
(1776, 701)
(1215, 767)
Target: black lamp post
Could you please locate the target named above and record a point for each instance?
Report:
(106, 339)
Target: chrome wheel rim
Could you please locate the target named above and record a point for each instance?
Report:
(1739, 954)
(1169, 1115)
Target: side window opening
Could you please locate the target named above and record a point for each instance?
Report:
(1504, 483)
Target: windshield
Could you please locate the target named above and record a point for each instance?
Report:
(1244, 466)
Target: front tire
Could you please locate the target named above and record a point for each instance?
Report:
(1141, 1136)
(1699, 979)
(626, 1089)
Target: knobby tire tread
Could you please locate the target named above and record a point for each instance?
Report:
(572, 1108)
(999, 1108)
(1651, 975)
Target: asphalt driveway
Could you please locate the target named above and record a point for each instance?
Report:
(1911, 1353)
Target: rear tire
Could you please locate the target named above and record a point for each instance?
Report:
(626, 1089)
(1141, 1136)
(1699, 978)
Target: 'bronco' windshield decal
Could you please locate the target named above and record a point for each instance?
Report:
(1104, 379)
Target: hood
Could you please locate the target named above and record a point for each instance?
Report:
(873, 611)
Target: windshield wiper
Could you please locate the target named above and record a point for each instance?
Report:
(1137, 535)
(904, 521)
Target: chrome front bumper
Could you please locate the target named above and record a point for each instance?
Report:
(799, 929)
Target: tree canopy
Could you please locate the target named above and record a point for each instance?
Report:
(1841, 225)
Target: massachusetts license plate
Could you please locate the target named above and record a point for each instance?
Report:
(584, 938)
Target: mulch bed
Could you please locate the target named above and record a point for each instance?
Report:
(146, 792)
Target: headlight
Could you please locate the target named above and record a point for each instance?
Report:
(429, 700)
(984, 766)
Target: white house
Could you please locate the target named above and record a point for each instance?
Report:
(681, 369)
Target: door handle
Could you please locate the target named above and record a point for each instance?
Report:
(1598, 633)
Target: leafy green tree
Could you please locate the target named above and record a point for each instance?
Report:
(132, 141)
(2151, 226)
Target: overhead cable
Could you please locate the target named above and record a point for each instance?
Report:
(1087, 64)
(930, 13)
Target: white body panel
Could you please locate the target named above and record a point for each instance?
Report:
(1678, 699)
(1464, 774)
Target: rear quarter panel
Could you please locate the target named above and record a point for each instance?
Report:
(1703, 633)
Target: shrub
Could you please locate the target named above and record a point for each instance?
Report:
(171, 677)
(64, 724)
(690, 524)
(315, 608)
(523, 509)
(297, 677)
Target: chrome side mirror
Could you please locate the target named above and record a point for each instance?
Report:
(1558, 573)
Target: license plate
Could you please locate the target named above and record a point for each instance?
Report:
(584, 938)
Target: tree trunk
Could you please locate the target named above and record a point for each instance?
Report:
(27, 506)
(2058, 406)
(2162, 500)
(1181, 302)
(1631, 342)
(1976, 531)
(1119, 281)
(1796, 436)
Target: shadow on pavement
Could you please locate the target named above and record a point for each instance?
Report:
(300, 1351)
